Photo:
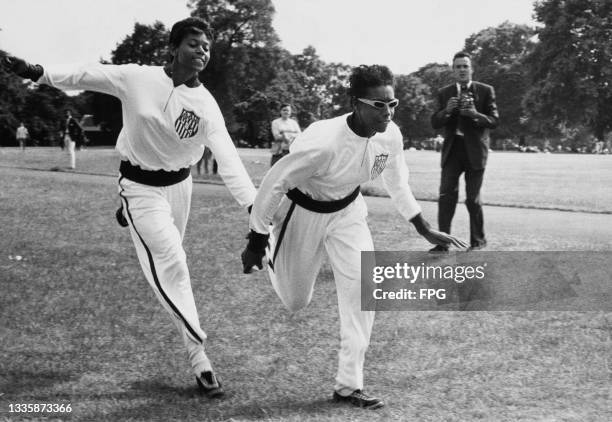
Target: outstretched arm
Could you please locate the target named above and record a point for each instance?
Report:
(395, 180)
(22, 68)
(433, 236)
(104, 78)
(287, 174)
(231, 168)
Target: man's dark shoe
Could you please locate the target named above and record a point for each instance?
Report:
(439, 248)
(478, 246)
(360, 399)
(210, 385)
(121, 218)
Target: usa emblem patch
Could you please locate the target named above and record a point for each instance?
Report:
(379, 165)
(187, 124)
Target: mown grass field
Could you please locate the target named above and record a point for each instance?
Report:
(555, 181)
(80, 325)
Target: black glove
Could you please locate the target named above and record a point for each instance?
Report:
(254, 252)
(22, 68)
(420, 224)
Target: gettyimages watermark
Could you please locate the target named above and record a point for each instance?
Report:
(486, 281)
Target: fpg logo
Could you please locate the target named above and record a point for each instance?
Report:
(439, 294)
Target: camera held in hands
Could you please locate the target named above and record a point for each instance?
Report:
(466, 100)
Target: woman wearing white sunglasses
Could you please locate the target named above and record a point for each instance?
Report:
(312, 199)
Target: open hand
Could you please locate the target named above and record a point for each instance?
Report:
(443, 239)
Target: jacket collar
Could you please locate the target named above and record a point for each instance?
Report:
(458, 86)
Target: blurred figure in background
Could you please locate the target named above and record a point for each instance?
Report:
(71, 132)
(22, 136)
(284, 131)
(207, 156)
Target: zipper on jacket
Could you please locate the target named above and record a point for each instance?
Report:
(168, 100)
(364, 151)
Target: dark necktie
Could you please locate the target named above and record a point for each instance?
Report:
(463, 93)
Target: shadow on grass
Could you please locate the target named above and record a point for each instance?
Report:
(157, 400)
(147, 388)
(167, 402)
(19, 382)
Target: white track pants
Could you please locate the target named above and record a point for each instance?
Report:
(343, 235)
(158, 217)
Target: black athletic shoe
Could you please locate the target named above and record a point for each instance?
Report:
(360, 399)
(210, 385)
(439, 249)
(478, 246)
(121, 218)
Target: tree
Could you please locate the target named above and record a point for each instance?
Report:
(12, 93)
(254, 114)
(314, 88)
(498, 57)
(337, 90)
(245, 49)
(238, 22)
(499, 47)
(315, 84)
(435, 75)
(415, 106)
(106, 111)
(146, 45)
(571, 65)
(45, 107)
(39, 107)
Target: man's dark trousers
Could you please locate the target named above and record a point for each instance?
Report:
(457, 163)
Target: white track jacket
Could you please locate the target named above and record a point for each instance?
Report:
(164, 127)
(328, 161)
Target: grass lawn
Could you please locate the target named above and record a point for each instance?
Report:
(550, 181)
(80, 325)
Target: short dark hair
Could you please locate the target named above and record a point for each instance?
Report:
(189, 26)
(364, 77)
(283, 105)
(462, 55)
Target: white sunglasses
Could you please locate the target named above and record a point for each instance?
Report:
(380, 104)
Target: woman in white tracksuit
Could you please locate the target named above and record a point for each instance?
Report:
(168, 119)
(311, 198)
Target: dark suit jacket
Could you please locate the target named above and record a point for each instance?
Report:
(476, 131)
(73, 128)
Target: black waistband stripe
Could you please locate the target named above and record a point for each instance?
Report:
(323, 207)
(153, 177)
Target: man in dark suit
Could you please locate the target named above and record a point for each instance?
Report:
(467, 111)
(71, 133)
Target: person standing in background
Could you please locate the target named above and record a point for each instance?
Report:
(207, 157)
(22, 136)
(467, 111)
(284, 131)
(70, 132)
